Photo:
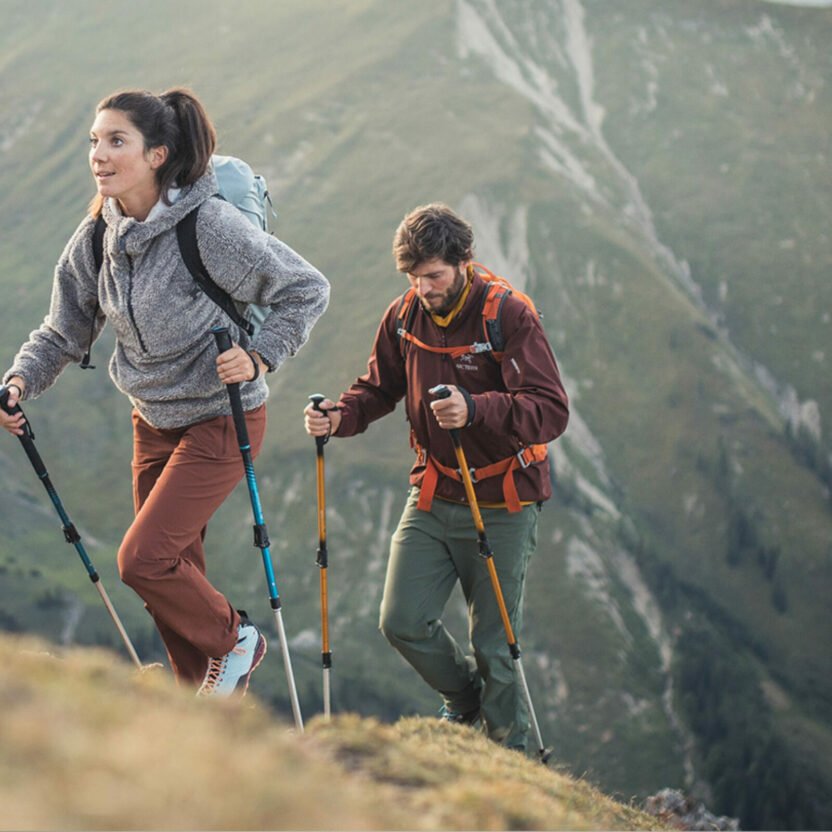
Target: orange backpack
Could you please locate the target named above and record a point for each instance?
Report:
(494, 343)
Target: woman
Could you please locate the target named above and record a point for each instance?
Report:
(150, 158)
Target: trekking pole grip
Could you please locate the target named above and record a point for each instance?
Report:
(224, 344)
(316, 399)
(4, 401)
(442, 392)
(28, 437)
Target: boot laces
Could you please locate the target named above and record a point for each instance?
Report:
(214, 674)
(216, 669)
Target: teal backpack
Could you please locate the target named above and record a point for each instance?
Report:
(246, 190)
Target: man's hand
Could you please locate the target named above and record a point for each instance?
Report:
(321, 424)
(451, 412)
(13, 424)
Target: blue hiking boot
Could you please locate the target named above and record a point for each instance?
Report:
(229, 674)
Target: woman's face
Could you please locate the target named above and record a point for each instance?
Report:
(121, 166)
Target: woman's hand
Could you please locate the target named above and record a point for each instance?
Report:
(321, 424)
(13, 424)
(236, 365)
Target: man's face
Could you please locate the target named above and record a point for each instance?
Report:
(438, 284)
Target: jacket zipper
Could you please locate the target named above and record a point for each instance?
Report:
(443, 337)
(130, 296)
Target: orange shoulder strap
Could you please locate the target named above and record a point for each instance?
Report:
(489, 276)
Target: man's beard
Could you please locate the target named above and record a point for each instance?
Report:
(450, 296)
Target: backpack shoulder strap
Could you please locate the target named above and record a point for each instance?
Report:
(186, 236)
(492, 306)
(404, 316)
(98, 256)
(98, 242)
(498, 289)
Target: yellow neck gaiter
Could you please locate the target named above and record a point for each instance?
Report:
(444, 320)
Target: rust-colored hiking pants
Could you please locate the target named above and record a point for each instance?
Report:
(180, 478)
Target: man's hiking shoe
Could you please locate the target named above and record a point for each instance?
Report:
(466, 718)
(229, 674)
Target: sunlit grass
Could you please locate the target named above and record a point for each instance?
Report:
(90, 743)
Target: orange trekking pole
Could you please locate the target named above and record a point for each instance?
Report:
(442, 392)
(326, 655)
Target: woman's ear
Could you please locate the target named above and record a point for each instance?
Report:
(158, 156)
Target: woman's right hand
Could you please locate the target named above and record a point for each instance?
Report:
(13, 424)
(321, 424)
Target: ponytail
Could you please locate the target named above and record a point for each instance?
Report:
(175, 119)
(197, 140)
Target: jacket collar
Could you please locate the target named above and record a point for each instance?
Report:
(133, 236)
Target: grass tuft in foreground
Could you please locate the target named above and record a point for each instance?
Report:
(87, 742)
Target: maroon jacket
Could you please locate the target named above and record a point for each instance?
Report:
(519, 401)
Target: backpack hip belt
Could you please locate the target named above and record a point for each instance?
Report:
(527, 455)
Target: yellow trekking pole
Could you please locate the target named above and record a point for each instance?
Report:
(442, 392)
(326, 655)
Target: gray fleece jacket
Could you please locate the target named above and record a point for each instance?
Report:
(165, 355)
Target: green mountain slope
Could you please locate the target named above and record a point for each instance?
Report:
(656, 178)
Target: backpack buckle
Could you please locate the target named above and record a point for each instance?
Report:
(522, 459)
(471, 473)
(480, 346)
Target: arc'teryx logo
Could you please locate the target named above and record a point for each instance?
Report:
(466, 362)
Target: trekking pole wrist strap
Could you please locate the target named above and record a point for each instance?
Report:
(256, 366)
(329, 410)
(472, 407)
(325, 411)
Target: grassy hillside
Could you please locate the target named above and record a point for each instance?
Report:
(89, 743)
(656, 177)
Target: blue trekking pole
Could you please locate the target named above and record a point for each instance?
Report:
(261, 535)
(70, 532)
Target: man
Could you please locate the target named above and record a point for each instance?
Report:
(508, 409)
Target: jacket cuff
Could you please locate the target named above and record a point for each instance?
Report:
(472, 407)
(348, 425)
(272, 353)
(17, 371)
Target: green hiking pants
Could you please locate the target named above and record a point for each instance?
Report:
(429, 553)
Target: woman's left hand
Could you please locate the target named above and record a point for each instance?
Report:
(235, 365)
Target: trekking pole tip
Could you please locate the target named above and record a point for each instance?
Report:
(544, 754)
